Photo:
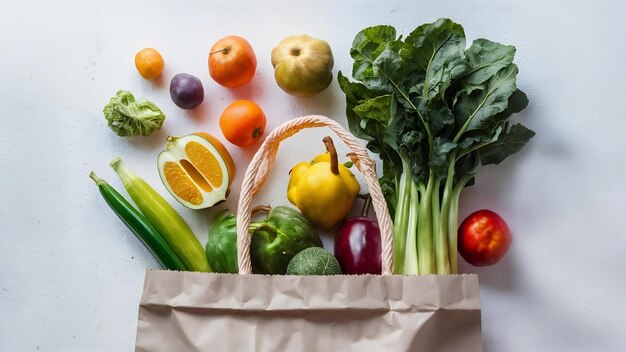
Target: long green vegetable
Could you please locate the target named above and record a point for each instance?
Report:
(138, 224)
(164, 218)
(435, 113)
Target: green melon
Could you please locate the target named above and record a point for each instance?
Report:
(314, 261)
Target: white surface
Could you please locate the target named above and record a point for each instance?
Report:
(71, 274)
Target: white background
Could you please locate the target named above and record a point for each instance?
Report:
(71, 274)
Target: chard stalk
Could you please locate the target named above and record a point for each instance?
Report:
(442, 242)
(400, 222)
(453, 221)
(411, 257)
(440, 222)
(435, 210)
(425, 252)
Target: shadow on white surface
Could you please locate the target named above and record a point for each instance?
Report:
(155, 141)
(502, 276)
(200, 113)
(254, 90)
(323, 103)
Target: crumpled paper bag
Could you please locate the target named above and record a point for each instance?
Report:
(188, 311)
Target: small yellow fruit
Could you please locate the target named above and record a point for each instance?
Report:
(149, 63)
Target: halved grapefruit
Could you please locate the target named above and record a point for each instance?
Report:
(196, 169)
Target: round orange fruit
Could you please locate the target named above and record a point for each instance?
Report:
(149, 63)
(232, 61)
(243, 122)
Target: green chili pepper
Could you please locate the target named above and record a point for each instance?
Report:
(164, 218)
(138, 224)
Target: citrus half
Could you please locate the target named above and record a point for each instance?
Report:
(196, 169)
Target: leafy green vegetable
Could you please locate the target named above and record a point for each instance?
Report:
(127, 117)
(435, 112)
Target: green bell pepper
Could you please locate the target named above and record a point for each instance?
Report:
(275, 240)
(283, 234)
(221, 249)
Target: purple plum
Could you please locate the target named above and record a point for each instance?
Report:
(186, 91)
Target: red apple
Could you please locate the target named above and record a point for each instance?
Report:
(484, 238)
(232, 61)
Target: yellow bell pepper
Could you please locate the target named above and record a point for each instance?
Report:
(323, 190)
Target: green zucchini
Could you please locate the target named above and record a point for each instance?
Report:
(175, 231)
(138, 224)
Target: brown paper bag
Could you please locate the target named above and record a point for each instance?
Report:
(221, 312)
(187, 311)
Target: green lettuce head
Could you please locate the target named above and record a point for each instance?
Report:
(127, 117)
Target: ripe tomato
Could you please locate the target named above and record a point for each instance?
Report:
(149, 63)
(232, 61)
(242, 123)
(484, 238)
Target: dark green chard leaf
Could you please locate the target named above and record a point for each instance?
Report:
(397, 124)
(437, 114)
(369, 117)
(379, 65)
(390, 65)
(388, 185)
(474, 139)
(510, 141)
(370, 65)
(474, 110)
(467, 166)
(436, 50)
(375, 108)
(484, 59)
(367, 45)
(355, 92)
(518, 101)
(439, 160)
(413, 150)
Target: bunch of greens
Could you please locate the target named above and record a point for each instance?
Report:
(127, 117)
(435, 112)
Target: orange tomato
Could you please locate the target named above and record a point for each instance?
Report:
(232, 61)
(242, 123)
(149, 63)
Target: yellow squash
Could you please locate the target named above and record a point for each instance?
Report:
(323, 189)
